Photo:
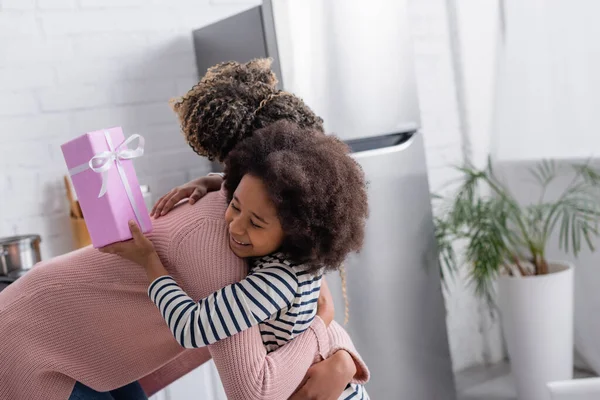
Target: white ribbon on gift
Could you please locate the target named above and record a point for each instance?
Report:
(102, 162)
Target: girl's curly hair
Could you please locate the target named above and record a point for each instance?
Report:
(319, 191)
(231, 102)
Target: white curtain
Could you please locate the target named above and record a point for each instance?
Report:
(548, 106)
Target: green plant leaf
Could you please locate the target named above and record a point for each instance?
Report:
(497, 229)
(579, 212)
(587, 173)
(544, 172)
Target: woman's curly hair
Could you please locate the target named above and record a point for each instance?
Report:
(319, 191)
(231, 102)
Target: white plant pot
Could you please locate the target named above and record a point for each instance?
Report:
(537, 320)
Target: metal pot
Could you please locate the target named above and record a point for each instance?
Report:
(19, 254)
(5, 281)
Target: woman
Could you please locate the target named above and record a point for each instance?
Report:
(81, 324)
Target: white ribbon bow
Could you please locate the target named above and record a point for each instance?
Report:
(102, 162)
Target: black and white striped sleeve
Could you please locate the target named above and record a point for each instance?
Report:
(227, 311)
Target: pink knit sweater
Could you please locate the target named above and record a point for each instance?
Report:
(86, 317)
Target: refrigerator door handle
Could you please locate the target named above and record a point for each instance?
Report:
(379, 145)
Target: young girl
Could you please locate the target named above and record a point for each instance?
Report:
(297, 207)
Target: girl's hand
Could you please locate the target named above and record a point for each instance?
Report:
(194, 190)
(325, 307)
(139, 249)
(327, 379)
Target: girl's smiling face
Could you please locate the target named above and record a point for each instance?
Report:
(254, 227)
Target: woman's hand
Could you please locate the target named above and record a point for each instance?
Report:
(194, 190)
(327, 379)
(325, 307)
(139, 250)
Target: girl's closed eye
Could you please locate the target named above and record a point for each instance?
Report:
(256, 225)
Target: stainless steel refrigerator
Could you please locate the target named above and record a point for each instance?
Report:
(351, 61)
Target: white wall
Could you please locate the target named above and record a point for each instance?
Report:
(549, 87)
(479, 28)
(436, 88)
(455, 54)
(67, 67)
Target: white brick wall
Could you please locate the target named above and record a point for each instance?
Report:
(71, 66)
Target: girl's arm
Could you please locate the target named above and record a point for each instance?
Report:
(192, 359)
(258, 297)
(226, 312)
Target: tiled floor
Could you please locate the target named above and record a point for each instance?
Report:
(491, 383)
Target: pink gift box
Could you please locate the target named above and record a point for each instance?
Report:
(94, 165)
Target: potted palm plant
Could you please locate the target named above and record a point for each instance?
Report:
(503, 244)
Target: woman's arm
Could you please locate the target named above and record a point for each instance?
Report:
(247, 371)
(194, 190)
(328, 378)
(340, 341)
(189, 360)
(333, 370)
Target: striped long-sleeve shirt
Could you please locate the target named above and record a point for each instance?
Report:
(279, 296)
